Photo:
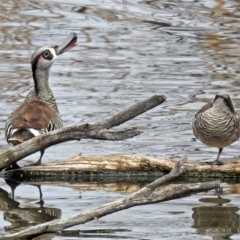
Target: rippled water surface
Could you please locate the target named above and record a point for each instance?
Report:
(128, 51)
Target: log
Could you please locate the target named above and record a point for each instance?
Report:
(131, 168)
(94, 130)
(157, 191)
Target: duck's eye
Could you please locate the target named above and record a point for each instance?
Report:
(46, 53)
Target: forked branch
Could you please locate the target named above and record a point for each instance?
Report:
(95, 130)
(151, 193)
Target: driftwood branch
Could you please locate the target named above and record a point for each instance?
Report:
(95, 130)
(119, 168)
(151, 193)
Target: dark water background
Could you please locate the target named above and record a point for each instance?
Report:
(128, 51)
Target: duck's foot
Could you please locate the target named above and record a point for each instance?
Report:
(216, 162)
(33, 164)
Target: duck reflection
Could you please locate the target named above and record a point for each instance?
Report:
(21, 218)
(216, 220)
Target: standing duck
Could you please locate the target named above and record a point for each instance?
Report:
(217, 124)
(38, 113)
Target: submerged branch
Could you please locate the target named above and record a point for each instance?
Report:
(151, 193)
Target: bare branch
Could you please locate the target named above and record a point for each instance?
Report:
(96, 130)
(147, 195)
(132, 112)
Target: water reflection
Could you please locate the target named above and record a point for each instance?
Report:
(222, 47)
(21, 218)
(216, 217)
(216, 220)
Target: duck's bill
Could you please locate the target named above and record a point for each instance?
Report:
(68, 43)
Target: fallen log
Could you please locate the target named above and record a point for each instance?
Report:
(94, 130)
(131, 168)
(151, 193)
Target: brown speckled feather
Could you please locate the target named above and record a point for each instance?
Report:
(33, 114)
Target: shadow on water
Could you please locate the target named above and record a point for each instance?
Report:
(216, 219)
(22, 217)
(214, 216)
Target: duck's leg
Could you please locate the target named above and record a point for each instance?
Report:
(217, 161)
(39, 160)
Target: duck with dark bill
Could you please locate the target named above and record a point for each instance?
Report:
(39, 112)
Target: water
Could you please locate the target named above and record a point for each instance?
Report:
(200, 216)
(128, 51)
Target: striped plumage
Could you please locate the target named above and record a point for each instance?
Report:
(217, 124)
(38, 113)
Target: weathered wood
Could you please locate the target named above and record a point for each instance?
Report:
(95, 130)
(118, 167)
(151, 193)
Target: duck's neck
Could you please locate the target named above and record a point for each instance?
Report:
(42, 91)
(41, 85)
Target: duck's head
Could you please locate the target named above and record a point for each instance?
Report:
(43, 58)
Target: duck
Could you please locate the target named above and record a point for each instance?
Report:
(38, 113)
(217, 124)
